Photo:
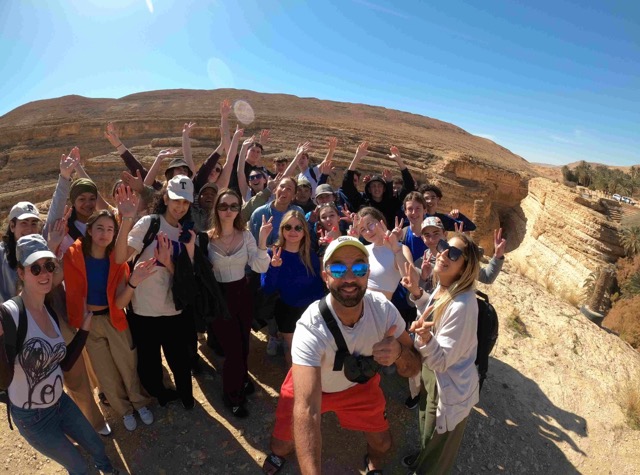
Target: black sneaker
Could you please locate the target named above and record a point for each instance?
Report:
(167, 396)
(249, 388)
(412, 402)
(239, 411)
(188, 404)
(409, 460)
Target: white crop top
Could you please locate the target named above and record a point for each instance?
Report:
(383, 272)
(231, 268)
(37, 377)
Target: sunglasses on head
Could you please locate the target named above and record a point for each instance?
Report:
(254, 177)
(49, 266)
(297, 228)
(235, 207)
(338, 270)
(454, 252)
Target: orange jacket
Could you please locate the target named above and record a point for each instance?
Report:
(75, 279)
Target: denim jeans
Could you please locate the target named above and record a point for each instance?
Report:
(47, 429)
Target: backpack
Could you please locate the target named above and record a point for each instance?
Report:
(14, 339)
(149, 237)
(488, 326)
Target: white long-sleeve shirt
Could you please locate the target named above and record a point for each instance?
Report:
(451, 354)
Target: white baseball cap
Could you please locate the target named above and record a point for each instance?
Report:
(180, 187)
(343, 241)
(24, 210)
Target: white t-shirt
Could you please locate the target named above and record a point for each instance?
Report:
(313, 343)
(37, 377)
(153, 296)
(383, 272)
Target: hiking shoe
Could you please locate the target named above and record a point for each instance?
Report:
(409, 460)
(272, 346)
(146, 415)
(105, 431)
(130, 422)
(412, 402)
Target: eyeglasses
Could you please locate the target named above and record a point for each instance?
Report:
(235, 207)
(297, 228)
(454, 252)
(254, 177)
(49, 266)
(338, 270)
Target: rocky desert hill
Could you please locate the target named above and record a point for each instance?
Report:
(558, 387)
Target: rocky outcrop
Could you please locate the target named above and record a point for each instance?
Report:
(561, 236)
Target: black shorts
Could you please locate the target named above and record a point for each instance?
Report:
(287, 316)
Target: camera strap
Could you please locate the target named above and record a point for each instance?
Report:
(329, 319)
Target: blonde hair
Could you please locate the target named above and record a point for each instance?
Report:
(305, 244)
(466, 281)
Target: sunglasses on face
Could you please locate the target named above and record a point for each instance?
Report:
(235, 207)
(368, 228)
(297, 228)
(338, 270)
(255, 177)
(454, 252)
(49, 266)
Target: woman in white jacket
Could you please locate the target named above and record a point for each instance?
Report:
(445, 336)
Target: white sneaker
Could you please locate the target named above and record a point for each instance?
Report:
(106, 430)
(146, 415)
(130, 422)
(272, 346)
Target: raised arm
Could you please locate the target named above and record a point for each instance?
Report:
(186, 145)
(157, 163)
(130, 161)
(201, 177)
(242, 158)
(306, 417)
(225, 135)
(61, 193)
(225, 175)
(302, 148)
(127, 202)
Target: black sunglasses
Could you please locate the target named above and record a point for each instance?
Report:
(297, 228)
(254, 177)
(49, 266)
(454, 252)
(338, 270)
(235, 207)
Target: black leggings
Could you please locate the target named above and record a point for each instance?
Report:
(171, 334)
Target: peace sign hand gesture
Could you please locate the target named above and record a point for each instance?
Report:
(276, 260)
(422, 328)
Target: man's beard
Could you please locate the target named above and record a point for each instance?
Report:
(350, 300)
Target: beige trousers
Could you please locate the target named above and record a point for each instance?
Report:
(114, 361)
(77, 384)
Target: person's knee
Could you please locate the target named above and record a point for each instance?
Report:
(380, 442)
(280, 447)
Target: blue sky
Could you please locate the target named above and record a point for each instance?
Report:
(553, 81)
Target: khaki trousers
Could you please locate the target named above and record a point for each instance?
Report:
(76, 382)
(114, 361)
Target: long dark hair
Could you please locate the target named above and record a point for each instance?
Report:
(159, 206)
(87, 239)
(9, 240)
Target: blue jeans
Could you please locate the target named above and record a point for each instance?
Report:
(47, 429)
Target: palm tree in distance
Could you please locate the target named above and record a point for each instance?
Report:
(630, 240)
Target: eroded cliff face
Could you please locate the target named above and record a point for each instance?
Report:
(561, 236)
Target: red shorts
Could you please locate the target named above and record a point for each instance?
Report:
(361, 408)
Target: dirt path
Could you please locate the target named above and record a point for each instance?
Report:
(549, 406)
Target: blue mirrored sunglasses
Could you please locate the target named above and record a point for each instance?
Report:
(338, 271)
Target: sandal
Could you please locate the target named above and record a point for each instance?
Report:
(273, 464)
(367, 470)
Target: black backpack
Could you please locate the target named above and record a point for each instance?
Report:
(14, 339)
(148, 238)
(487, 334)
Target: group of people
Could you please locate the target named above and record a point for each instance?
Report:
(92, 295)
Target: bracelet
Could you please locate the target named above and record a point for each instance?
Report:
(118, 146)
(132, 286)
